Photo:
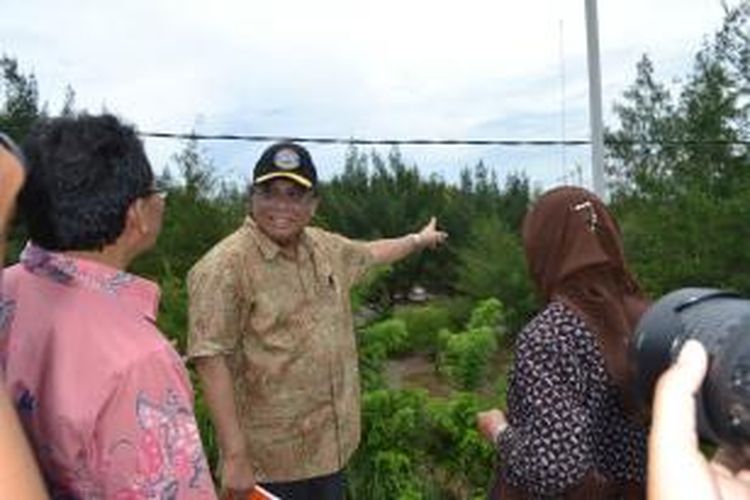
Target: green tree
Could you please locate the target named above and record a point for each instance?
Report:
(640, 152)
(19, 109)
(492, 264)
(463, 457)
(69, 102)
(664, 148)
(378, 197)
(391, 451)
(20, 106)
(464, 357)
(197, 215)
(684, 205)
(423, 323)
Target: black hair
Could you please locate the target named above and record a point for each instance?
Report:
(84, 173)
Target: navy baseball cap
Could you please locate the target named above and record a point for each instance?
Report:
(286, 160)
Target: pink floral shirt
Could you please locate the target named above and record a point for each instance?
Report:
(104, 398)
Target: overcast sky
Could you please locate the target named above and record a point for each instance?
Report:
(352, 68)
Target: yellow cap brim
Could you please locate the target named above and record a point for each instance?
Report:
(289, 175)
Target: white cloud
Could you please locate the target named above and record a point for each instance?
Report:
(391, 68)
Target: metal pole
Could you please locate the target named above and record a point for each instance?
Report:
(595, 101)
(563, 161)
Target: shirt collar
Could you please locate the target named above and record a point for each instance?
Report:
(138, 293)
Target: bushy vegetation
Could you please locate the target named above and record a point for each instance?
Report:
(423, 323)
(390, 333)
(414, 446)
(463, 357)
(681, 165)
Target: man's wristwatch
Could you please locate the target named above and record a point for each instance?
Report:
(416, 241)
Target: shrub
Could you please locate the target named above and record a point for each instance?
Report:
(172, 319)
(373, 288)
(423, 324)
(391, 333)
(464, 356)
(415, 447)
(488, 313)
(371, 354)
(458, 307)
(456, 446)
(492, 264)
(392, 476)
(393, 440)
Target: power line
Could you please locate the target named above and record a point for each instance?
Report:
(372, 142)
(425, 142)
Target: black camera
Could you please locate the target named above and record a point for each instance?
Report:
(720, 320)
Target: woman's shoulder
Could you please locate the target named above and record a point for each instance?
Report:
(556, 325)
(555, 317)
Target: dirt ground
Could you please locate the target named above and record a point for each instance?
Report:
(417, 371)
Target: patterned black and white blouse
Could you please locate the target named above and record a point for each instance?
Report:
(564, 411)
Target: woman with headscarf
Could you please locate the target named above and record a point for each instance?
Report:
(572, 430)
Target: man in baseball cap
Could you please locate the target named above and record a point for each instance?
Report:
(272, 335)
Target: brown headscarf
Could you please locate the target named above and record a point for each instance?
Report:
(575, 255)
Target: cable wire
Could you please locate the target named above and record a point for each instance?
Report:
(423, 142)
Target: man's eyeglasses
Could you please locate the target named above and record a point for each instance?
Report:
(295, 195)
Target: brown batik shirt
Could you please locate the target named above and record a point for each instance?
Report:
(285, 326)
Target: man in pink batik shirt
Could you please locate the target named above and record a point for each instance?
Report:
(103, 397)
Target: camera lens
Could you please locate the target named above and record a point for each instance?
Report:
(719, 320)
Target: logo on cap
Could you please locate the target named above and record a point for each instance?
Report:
(286, 159)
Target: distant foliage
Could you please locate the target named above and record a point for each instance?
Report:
(458, 308)
(681, 178)
(372, 290)
(417, 447)
(464, 357)
(391, 333)
(19, 107)
(372, 352)
(172, 318)
(376, 197)
(199, 212)
(423, 323)
(488, 313)
(385, 466)
(492, 264)
(456, 446)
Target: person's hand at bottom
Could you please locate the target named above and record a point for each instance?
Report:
(676, 467)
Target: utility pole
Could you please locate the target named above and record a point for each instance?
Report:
(562, 99)
(595, 101)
